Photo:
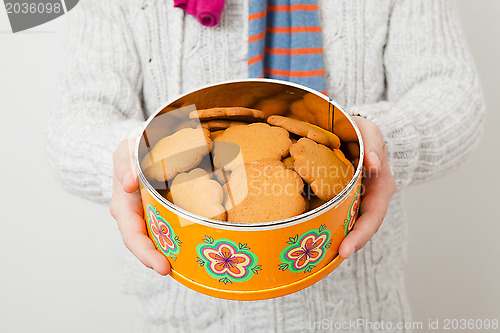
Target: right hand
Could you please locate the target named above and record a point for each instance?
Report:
(126, 209)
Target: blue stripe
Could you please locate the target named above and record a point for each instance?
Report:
(302, 62)
(299, 62)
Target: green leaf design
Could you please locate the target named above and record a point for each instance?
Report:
(256, 269)
(293, 240)
(173, 256)
(177, 240)
(225, 280)
(309, 268)
(327, 245)
(208, 239)
(322, 227)
(199, 261)
(243, 246)
(283, 266)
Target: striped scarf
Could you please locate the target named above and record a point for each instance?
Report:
(284, 42)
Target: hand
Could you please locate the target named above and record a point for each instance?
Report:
(379, 187)
(126, 209)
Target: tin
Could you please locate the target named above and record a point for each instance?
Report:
(261, 260)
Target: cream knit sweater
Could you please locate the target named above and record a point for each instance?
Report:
(401, 63)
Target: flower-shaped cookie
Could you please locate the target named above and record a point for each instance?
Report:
(176, 153)
(256, 142)
(328, 172)
(197, 193)
(263, 191)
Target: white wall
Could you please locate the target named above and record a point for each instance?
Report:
(60, 256)
(454, 264)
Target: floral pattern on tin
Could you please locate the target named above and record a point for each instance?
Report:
(352, 214)
(162, 233)
(227, 261)
(306, 251)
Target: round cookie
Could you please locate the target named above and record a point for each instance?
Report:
(256, 141)
(197, 193)
(176, 153)
(263, 191)
(229, 113)
(220, 124)
(307, 130)
(327, 172)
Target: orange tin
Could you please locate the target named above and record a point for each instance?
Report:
(260, 260)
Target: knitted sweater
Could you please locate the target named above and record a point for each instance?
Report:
(400, 63)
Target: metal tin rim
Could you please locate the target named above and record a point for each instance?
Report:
(254, 226)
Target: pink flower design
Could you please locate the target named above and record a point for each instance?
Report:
(310, 250)
(161, 232)
(226, 259)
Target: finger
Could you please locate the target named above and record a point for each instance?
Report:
(126, 208)
(364, 229)
(137, 241)
(373, 209)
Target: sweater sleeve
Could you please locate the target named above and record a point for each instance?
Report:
(434, 112)
(99, 100)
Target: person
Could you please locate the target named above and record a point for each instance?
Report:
(400, 67)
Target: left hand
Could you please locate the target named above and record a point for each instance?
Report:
(379, 187)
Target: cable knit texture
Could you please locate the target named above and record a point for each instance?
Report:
(400, 63)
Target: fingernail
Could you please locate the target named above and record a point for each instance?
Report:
(353, 251)
(375, 155)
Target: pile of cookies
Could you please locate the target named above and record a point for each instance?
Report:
(238, 165)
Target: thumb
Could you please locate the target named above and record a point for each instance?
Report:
(374, 143)
(130, 178)
(124, 168)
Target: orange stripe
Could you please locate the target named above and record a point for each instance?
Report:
(287, 8)
(258, 15)
(256, 37)
(311, 50)
(255, 59)
(288, 30)
(280, 72)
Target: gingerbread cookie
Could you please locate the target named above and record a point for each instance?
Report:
(220, 124)
(197, 193)
(288, 161)
(273, 106)
(263, 191)
(176, 153)
(315, 202)
(352, 149)
(327, 172)
(307, 130)
(254, 141)
(229, 113)
(169, 197)
(215, 134)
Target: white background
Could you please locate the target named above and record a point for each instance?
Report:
(61, 256)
